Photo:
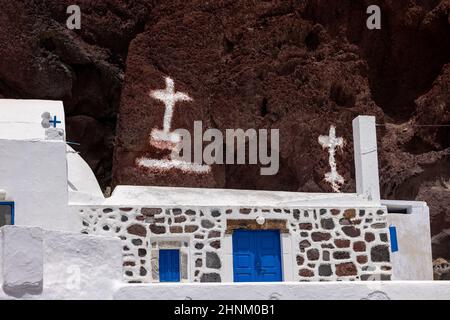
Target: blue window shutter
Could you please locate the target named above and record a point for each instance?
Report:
(393, 236)
(169, 265)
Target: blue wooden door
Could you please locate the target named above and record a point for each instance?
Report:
(169, 265)
(256, 256)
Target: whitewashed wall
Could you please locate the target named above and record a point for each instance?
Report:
(34, 176)
(413, 260)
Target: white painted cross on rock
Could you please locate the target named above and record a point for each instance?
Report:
(169, 97)
(332, 143)
(167, 140)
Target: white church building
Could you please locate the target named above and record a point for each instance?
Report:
(61, 238)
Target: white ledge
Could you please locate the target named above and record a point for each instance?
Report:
(365, 290)
(198, 197)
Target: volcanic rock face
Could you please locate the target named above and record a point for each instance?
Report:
(42, 59)
(245, 66)
(296, 66)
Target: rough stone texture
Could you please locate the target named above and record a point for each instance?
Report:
(213, 260)
(361, 259)
(351, 231)
(207, 224)
(320, 254)
(341, 255)
(359, 246)
(325, 270)
(320, 236)
(151, 212)
(84, 68)
(313, 254)
(327, 224)
(346, 269)
(137, 229)
(210, 277)
(306, 273)
(342, 243)
(441, 269)
(380, 253)
(305, 226)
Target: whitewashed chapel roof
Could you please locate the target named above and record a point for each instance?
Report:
(171, 196)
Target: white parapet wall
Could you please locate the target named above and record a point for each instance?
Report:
(42, 264)
(413, 260)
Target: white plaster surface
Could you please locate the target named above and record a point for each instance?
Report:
(196, 197)
(22, 261)
(72, 266)
(366, 157)
(81, 266)
(34, 175)
(21, 119)
(413, 261)
(394, 290)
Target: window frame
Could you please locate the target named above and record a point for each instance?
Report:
(11, 204)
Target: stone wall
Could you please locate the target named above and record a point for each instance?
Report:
(318, 244)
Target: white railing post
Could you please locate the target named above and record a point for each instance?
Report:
(366, 157)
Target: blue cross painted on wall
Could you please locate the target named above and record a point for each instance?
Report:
(54, 122)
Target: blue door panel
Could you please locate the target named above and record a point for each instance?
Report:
(256, 256)
(270, 257)
(169, 265)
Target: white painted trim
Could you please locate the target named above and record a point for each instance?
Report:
(228, 258)
(287, 261)
(175, 238)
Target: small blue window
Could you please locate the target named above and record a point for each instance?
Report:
(6, 213)
(169, 265)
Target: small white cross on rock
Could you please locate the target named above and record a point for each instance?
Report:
(169, 97)
(332, 143)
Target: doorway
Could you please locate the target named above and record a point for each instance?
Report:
(256, 256)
